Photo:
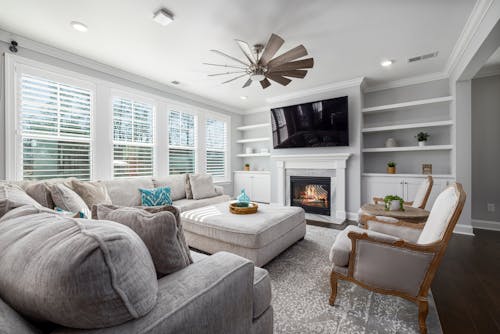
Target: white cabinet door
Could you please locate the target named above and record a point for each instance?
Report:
(242, 181)
(261, 188)
(411, 186)
(382, 186)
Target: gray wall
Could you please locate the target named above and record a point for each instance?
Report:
(236, 119)
(485, 147)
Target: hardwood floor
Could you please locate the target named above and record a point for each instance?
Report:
(467, 285)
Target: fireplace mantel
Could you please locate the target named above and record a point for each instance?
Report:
(326, 161)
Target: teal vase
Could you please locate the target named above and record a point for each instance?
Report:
(243, 199)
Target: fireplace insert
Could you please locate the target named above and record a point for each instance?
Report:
(311, 193)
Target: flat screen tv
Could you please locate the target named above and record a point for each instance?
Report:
(314, 124)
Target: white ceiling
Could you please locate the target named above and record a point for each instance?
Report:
(347, 39)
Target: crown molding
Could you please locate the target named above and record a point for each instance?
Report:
(173, 93)
(407, 82)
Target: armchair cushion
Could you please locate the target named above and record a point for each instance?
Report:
(421, 192)
(342, 247)
(390, 227)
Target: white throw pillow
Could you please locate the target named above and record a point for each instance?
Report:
(68, 200)
(202, 186)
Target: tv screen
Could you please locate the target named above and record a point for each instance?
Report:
(314, 124)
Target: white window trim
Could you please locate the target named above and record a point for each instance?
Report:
(184, 109)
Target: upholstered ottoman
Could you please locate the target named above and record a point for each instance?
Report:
(258, 237)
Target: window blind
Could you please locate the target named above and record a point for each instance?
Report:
(216, 146)
(182, 141)
(133, 145)
(55, 121)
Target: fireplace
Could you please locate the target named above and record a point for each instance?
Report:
(311, 193)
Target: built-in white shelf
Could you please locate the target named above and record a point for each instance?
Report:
(407, 104)
(253, 171)
(447, 176)
(248, 155)
(408, 148)
(253, 140)
(407, 126)
(253, 126)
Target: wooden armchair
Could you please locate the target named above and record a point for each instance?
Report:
(421, 197)
(399, 258)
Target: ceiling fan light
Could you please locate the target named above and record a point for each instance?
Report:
(257, 77)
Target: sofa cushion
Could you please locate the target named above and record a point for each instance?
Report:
(156, 196)
(12, 322)
(189, 192)
(92, 193)
(177, 184)
(77, 273)
(202, 186)
(68, 200)
(161, 231)
(12, 196)
(190, 204)
(125, 192)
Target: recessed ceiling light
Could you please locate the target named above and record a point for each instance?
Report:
(243, 97)
(79, 26)
(387, 63)
(163, 17)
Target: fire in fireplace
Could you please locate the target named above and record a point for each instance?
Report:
(311, 193)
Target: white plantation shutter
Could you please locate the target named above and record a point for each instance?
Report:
(182, 142)
(216, 147)
(55, 123)
(133, 144)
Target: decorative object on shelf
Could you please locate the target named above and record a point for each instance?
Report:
(391, 142)
(393, 203)
(427, 169)
(422, 138)
(247, 168)
(264, 150)
(391, 167)
(249, 150)
(245, 210)
(243, 200)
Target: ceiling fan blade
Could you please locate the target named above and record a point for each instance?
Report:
(240, 76)
(224, 65)
(292, 73)
(279, 79)
(294, 65)
(265, 83)
(246, 50)
(273, 45)
(230, 57)
(217, 74)
(296, 52)
(248, 83)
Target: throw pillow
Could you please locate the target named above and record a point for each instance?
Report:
(68, 200)
(76, 273)
(13, 196)
(161, 230)
(92, 193)
(189, 192)
(40, 192)
(177, 184)
(202, 186)
(155, 196)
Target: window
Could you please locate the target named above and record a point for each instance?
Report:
(216, 134)
(55, 122)
(133, 138)
(182, 143)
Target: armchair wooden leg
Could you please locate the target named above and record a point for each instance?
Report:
(333, 283)
(423, 309)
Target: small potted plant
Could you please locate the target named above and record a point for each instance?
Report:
(247, 167)
(391, 167)
(393, 203)
(422, 138)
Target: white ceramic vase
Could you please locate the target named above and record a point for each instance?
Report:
(394, 206)
(391, 142)
(421, 143)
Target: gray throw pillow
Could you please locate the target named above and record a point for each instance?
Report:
(13, 196)
(176, 183)
(202, 186)
(92, 193)
(40, 192)
(76, 273)
(161, 230)
(189, 192)
(68, 200)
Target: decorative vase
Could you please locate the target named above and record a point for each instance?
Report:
(391, 170)
(393, 206)
(249, 150)
(421, 143)
(243, 198)
(391, 142)
(246, 168)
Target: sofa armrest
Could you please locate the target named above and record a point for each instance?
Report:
(213, 295)
(398, 228)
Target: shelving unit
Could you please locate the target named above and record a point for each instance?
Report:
(407, 126)
(405, 175)
(408, 148)
(389, 107)
(253, 126)
(249, 155)
(253, 140)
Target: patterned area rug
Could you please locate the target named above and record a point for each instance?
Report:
(300, 283)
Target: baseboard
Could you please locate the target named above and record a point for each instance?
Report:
(353, 216)
(463, 229)
(486, 224)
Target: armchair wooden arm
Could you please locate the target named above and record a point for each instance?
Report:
(378, 200)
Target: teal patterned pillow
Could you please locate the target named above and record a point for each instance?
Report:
(156, 197)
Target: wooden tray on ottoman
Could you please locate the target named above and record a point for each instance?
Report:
(238, 210)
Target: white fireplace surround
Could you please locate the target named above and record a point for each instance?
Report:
(327, 161)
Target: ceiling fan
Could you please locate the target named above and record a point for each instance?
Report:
(261, 66)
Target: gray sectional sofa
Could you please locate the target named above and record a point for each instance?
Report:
(221, 293)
